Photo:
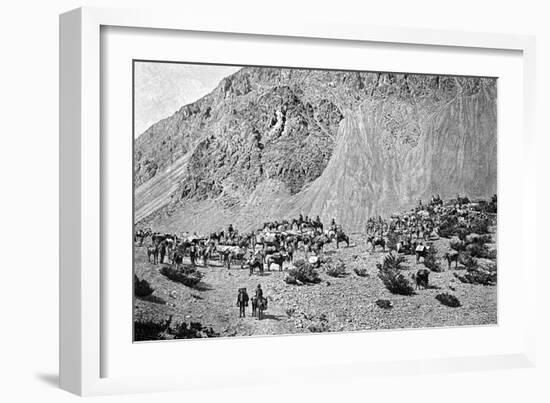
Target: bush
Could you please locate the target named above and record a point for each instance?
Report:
(479, 225)
(467, 261)
(361, 272)
(480, 275)
(384, 303)
(448, 300)
(336, 269)
(430, 260)
(389, 273)
(459, 246)
(142, 288)
(187, 278)
(477, 250)
(195, 330)
(394, 262)
(303, 272)
(145, 330)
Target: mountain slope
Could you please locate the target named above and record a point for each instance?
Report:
(272, 143)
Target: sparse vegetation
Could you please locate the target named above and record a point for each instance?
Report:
(148, 329)
(195, 330)
(431, 261)
(142, 288)
(389, 273)
(337, 269)
(302, 272)
(384, 303)
(187, 278)
(361, 271)
(479, 275)
(448, 300)
(459, 246)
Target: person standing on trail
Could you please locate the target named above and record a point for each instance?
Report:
(242, 301)
(193, 253)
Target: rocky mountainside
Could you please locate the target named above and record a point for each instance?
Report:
(269, 143)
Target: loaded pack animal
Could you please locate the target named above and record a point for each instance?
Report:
(421, 251)
(256, 262)
(376, 241)
(233, 253)
(421, 278)
(277, 258)
(141, 234)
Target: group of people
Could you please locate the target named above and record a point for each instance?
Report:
(243, 298)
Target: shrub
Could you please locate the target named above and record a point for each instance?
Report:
(150, 330)
(479, 225)
(303, 272)
(448, 300)
(468, 261)
(142, 288)
(477, 250)
(187, 278)
(430, 260)
(394, 262)
(384, 303)
(337, 269)
(389, 273)
(361, 272)
(459, 246)
(195, 330)
(480, 275)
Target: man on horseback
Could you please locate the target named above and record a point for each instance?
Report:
(259, 292)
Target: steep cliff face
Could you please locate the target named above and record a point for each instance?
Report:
(271, 143)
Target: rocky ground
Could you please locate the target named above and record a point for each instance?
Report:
(335, 304)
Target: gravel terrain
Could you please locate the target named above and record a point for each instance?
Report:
(335, 304)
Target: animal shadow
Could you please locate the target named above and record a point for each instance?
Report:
(269, 316)
(154, 299)
(203, 287)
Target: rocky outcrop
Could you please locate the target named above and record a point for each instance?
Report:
(271, 143)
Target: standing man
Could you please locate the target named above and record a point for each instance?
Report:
(242, 301)
(193, 253)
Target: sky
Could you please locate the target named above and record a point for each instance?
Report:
(161, 89)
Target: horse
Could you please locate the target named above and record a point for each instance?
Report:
(233, 253)
(259, 305)
(421, 278)
(153, 250)
(278, 258)
(341, 237)
(256, 262)
(376, 241)
(452, 257)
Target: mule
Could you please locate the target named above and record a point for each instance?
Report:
(421, 278)
(154, 252)
(452, 257)
(259, 305)
(376, 241)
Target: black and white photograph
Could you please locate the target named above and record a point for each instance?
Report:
(274, 201)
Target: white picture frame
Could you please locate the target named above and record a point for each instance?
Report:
(82, 343)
